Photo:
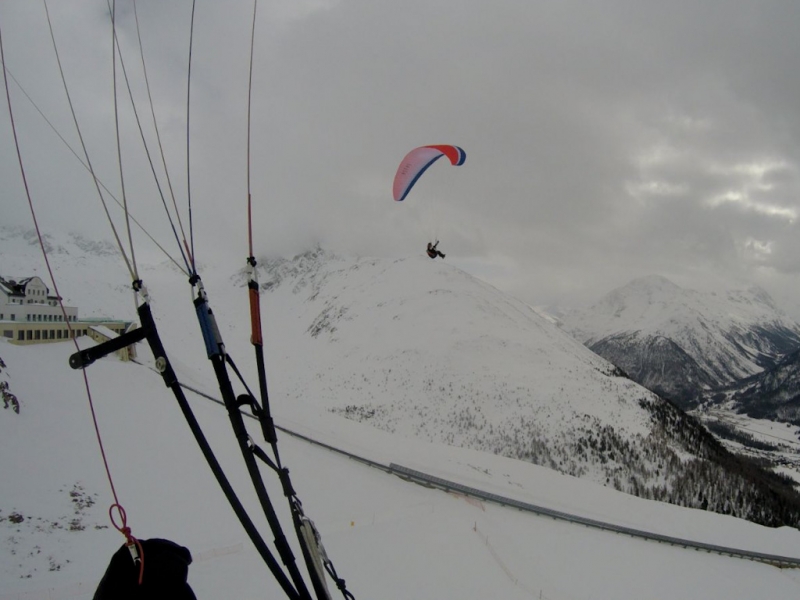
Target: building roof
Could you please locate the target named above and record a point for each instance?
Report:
(103, 330)
(16, 287)
(11, 287)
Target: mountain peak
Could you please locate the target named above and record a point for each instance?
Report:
(640, 292)
(717, 336)
(653, 281)
(422, 349)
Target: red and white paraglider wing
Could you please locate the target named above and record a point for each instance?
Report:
(416, 163)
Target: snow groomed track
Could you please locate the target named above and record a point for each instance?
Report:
(443, 484)
(451, 486)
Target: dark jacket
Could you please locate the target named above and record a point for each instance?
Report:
(166, 567)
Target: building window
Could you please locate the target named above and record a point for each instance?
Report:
(20, 335)
(37, 335)
(13, 317)
(44, 334)
(29, 335)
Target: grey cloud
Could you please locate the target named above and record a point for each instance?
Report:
(598, 135)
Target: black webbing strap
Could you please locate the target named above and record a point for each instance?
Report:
(171, 380)
(149, 332)
(243, 438)
(262, 414)
(84, 358)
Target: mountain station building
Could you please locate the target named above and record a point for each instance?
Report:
(29, 314)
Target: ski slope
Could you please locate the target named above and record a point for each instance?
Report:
(388, 538)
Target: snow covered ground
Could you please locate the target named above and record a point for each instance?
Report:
(778, 443)
(387, 538)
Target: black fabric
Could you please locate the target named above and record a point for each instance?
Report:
(166, 567)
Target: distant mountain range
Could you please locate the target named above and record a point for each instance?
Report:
(422, 349)
(773, 394)
(681, 343)
(91, 270)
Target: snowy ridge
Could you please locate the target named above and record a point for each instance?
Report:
(679, 341)
(421, 349)
(99, 281)
(424, 478)
(773, 394)
(424, 350)
(344, 332)
(371, 523)
(450, 486)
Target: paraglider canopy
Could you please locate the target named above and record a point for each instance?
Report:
(416, 163)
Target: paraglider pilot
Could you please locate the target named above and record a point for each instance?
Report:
(432, 251)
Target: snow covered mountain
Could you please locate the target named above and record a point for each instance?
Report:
(390, 539)
(424, 350)
(93, 277)
(400, 360)
(773, 394)
(679, 342)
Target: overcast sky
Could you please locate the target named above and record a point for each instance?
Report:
(604, 140)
